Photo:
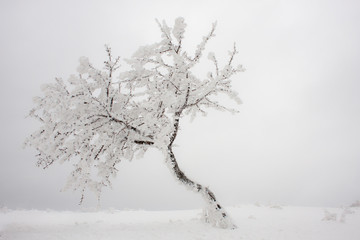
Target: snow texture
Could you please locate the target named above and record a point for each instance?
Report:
(255, 223)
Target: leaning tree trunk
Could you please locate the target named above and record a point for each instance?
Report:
(214, 213)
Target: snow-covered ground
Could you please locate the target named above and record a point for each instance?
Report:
(262, 222)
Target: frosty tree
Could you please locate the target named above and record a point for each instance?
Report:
(96, 120)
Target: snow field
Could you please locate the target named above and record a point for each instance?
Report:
(255, 222)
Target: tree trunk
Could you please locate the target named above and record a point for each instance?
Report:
(214, 213)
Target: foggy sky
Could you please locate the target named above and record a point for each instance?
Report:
(295, 141)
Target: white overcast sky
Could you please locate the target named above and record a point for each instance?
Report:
(295, 141)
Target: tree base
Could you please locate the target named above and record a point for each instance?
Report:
(216, 218)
